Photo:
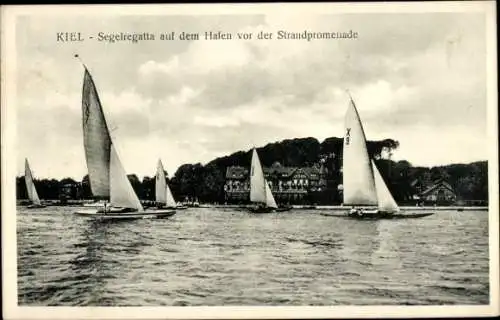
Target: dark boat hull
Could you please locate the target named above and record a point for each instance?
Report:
(262, 210)
(388, 216)
(283, 209)
(268, 209)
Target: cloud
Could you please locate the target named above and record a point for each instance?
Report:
(417, 78)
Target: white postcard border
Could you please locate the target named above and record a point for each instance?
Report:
(8, 148)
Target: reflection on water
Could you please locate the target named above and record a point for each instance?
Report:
(224, 257)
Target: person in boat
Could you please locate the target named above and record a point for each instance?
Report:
(104, 207)
(259, 206)
(355, 212)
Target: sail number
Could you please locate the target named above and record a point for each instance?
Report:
(348, 136)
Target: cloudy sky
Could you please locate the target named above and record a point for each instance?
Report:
(417, 78)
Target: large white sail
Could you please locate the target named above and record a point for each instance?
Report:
(257, 180)
(386, 202)
(107, 176)
(122, 193)
(30, 185)
(270, 202)
(96, 139)
(358, 181)
(160, 184)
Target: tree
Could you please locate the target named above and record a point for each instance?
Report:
(86, 189)
(136, 184)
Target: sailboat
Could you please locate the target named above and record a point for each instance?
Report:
(364, 188)
(164, 197)
(30, 187)
(107, 177)
(260, 192)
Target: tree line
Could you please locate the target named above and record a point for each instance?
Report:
(206, 182)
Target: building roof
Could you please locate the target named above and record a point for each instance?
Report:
(436, 185)
(283, 172)
(238, 172)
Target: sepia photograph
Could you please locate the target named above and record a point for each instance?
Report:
(250, 160)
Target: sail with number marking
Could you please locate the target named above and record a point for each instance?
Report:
(30, 185)
(107, 176)
(358, 181)
(96, 139)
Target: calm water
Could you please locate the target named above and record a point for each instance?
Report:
(225, 257)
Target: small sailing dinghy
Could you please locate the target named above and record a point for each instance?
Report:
(164, 196)
(30, 187)
(107, 177)
(260, 192)
(364, 188)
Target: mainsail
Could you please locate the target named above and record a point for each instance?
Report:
(358, 181)
(30, 185)
(162, 190)
(260, 191)
(96, 139)
(107, 176)
(257, 180)
(386, 202)
(160, 184)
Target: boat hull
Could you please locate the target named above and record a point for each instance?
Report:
(283, 209)
(268, 209)
(261, 210)
(115, 215)
(387, 215)
(36, 206)
(177, 208)
(167, 208)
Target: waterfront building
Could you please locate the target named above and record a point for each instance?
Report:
(70, 191)
(288, 184)
(439, 192)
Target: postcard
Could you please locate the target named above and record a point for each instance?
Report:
(237, 161)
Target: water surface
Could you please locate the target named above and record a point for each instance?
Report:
(208, 257)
